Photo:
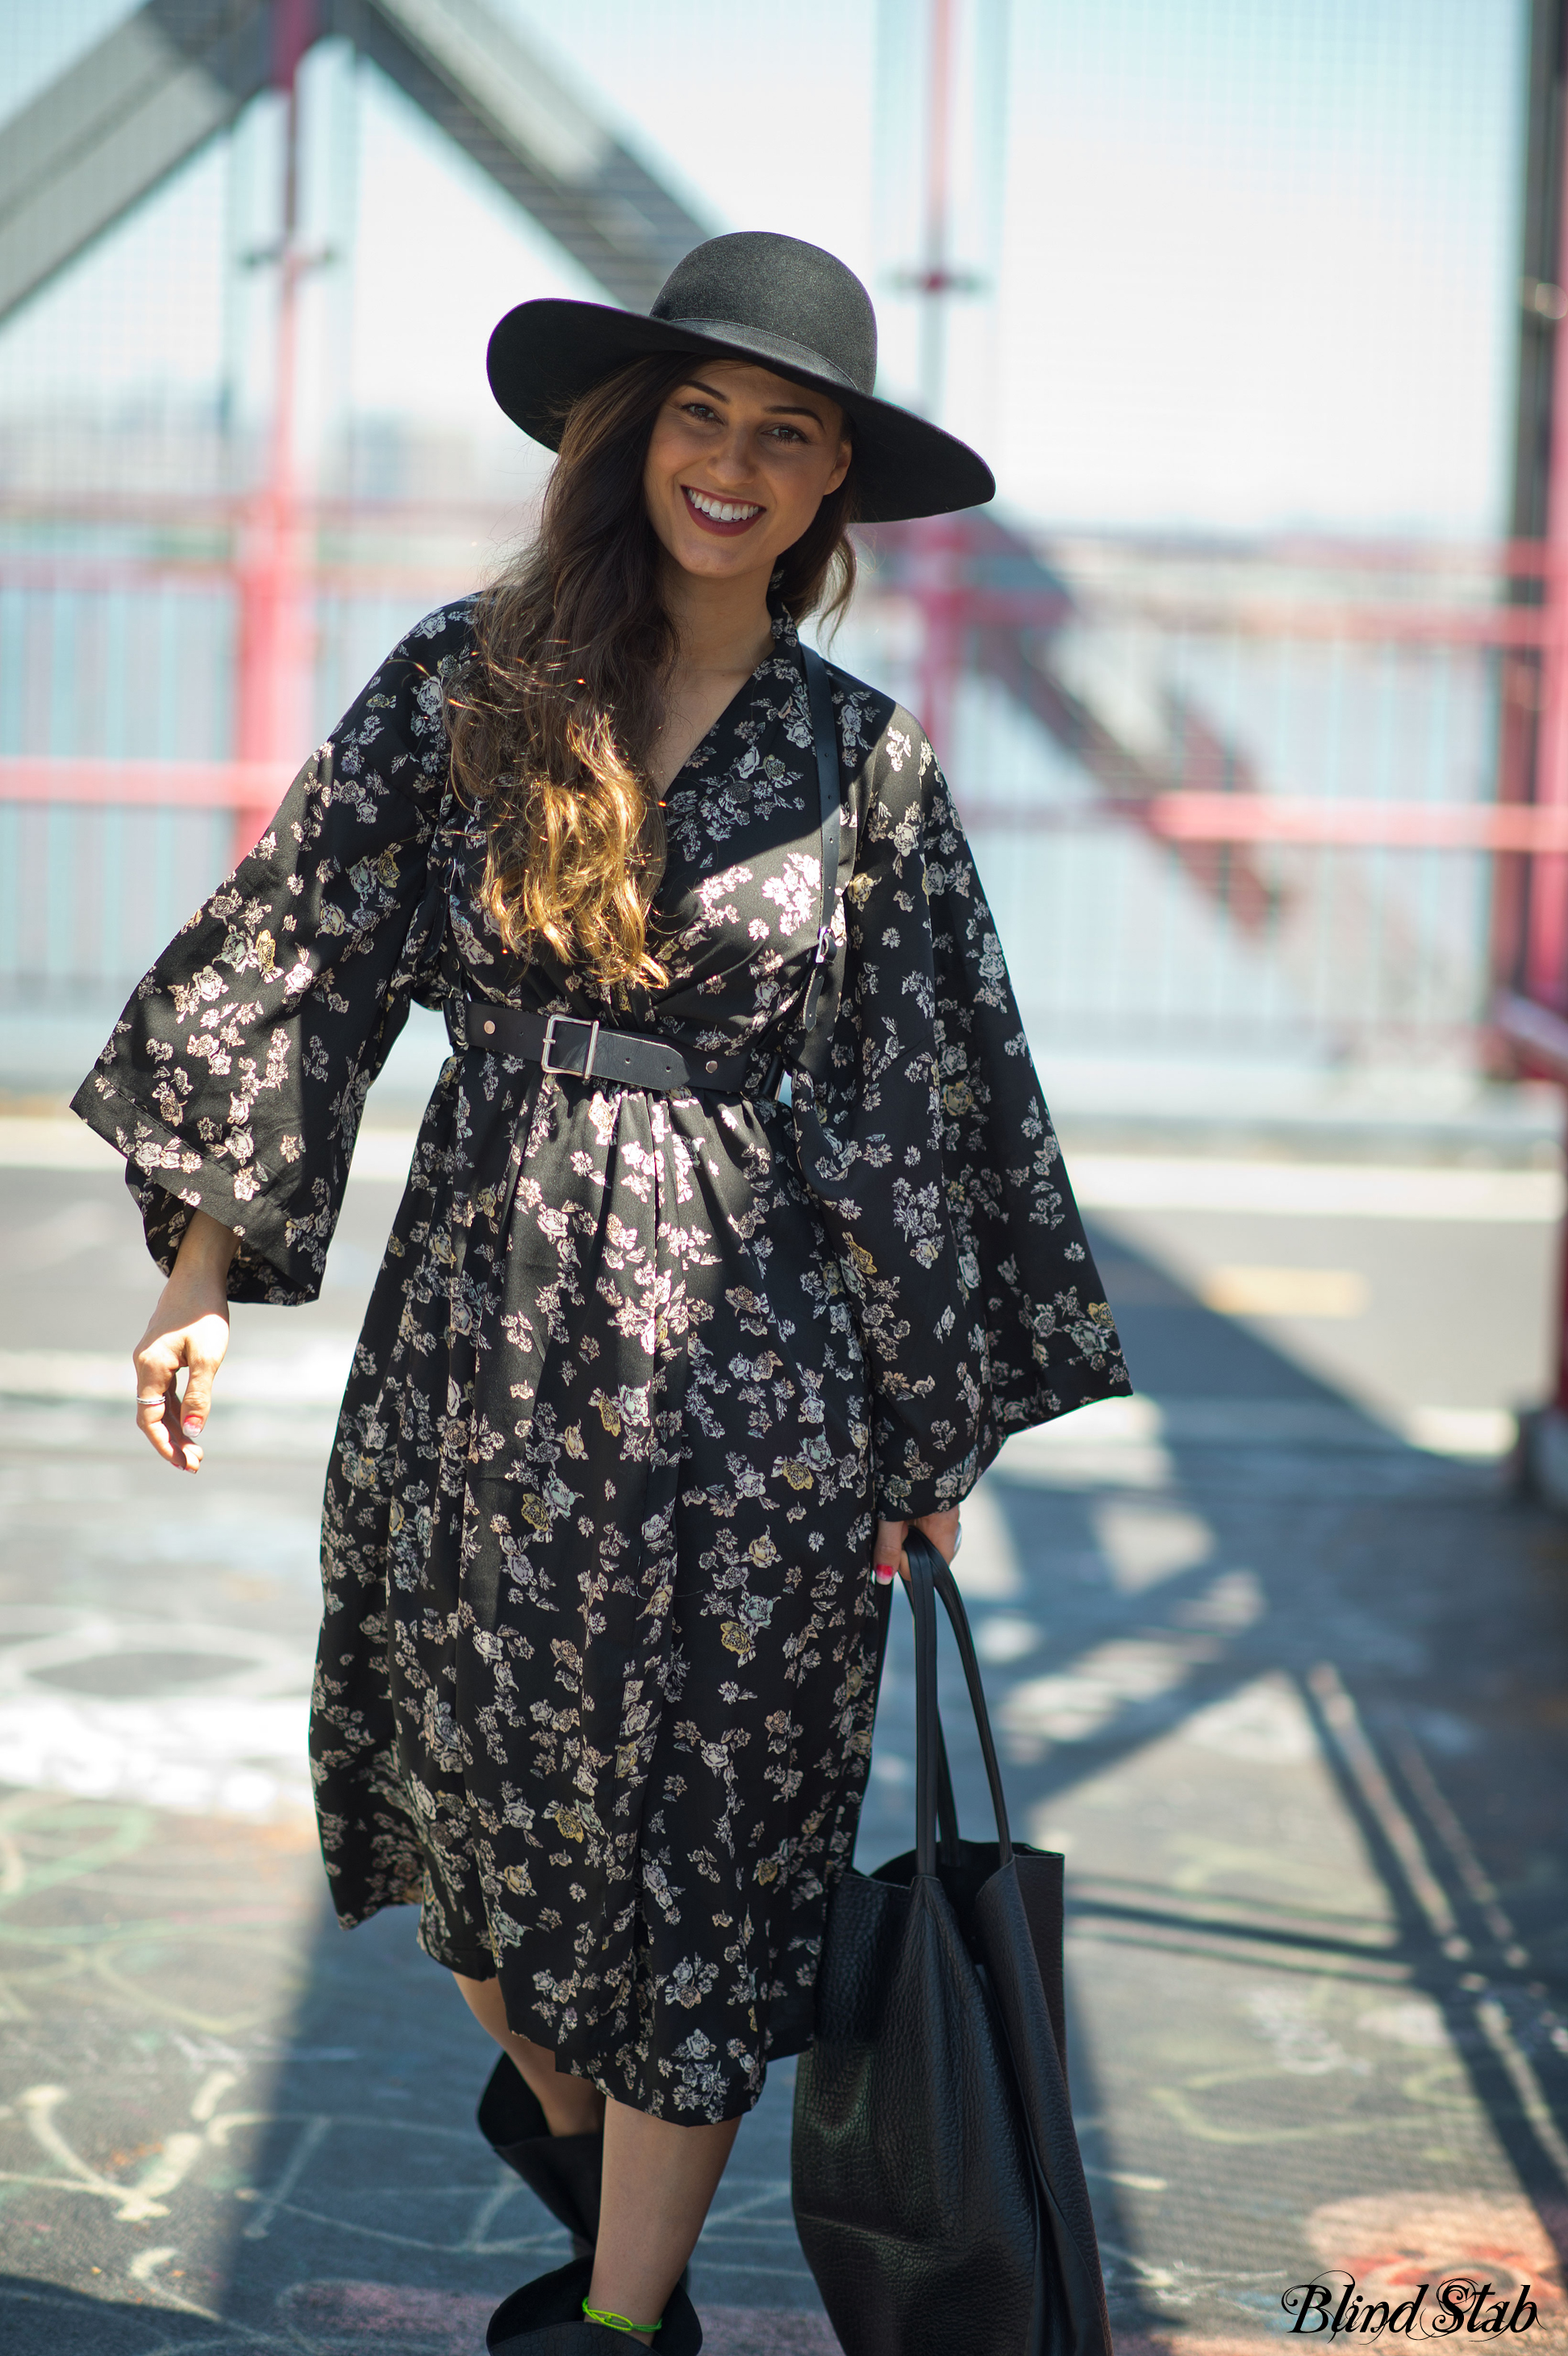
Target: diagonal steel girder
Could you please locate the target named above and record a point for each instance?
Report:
(114, 124)
(133, 108)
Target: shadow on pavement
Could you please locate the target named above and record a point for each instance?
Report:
(1293, 1703)
(1287, 1691)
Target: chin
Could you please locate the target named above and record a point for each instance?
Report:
(713, 559)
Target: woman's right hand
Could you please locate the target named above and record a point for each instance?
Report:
(188, 1328)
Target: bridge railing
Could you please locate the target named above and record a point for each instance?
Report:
(1272, 799)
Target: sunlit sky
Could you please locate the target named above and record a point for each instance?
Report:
(1256, 264)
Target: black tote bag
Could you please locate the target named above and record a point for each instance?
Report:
(937, 2188)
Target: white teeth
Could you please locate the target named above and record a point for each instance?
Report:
(721, 510)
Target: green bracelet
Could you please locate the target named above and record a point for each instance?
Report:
(618, 2322)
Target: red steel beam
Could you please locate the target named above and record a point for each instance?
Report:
(1518, 626)
(102, 576)
(1182, 816)
(1060, 547)
(1533, 829)
(146, 785)
(1524, 627)
(1461, 625)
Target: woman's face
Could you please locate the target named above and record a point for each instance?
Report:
(739, 462)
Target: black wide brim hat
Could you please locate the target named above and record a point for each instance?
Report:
(756, 296)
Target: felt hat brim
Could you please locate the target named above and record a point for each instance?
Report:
(544, 354)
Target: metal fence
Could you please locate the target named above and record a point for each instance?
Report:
(1244, 800)
(1241, 799)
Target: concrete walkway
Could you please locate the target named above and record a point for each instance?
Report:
(1287, 1688)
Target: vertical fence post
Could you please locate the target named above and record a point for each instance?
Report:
(1546, 934)
(1521, 670)
(270, 703)
(1547, 923)
(1560, 1391)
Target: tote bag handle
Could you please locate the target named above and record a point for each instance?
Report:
(930, 1577)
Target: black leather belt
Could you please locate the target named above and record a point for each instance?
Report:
(587, 1051)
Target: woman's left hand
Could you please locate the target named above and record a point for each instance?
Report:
(887, 1553)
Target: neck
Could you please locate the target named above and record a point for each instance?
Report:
(720, 626)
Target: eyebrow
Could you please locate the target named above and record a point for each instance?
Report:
(774, 408)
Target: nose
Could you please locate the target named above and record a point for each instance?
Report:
(732, 459)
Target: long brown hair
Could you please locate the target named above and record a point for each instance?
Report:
(552, 719)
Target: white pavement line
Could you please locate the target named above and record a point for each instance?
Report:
(1322, 1190)
(91, 1428)
(1102, 1182)
(1497, 2030)
(1475, 1431)
(51, 1143)
(1113, 1428)
(313, 1377)
(1349, 1735)
(313, 2134)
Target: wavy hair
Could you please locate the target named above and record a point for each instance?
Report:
(553, 718)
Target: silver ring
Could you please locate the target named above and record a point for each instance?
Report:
(153, 1398)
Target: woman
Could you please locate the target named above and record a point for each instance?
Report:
(735, 1238)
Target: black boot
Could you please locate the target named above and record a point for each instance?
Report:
(562, 2171)
(545, 2318)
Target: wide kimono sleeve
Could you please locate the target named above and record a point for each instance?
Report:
(979, 1306)
(236, 1076)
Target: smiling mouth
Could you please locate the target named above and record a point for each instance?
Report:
(726, 516)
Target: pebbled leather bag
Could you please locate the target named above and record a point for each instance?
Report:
(937, 2189)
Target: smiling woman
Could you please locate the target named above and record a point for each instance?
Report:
(737, 1238)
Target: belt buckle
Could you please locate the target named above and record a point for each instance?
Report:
(566, 1069)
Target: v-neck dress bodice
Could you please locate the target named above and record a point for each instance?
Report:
(600, 1635)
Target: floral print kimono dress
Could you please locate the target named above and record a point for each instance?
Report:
(601, 1638)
